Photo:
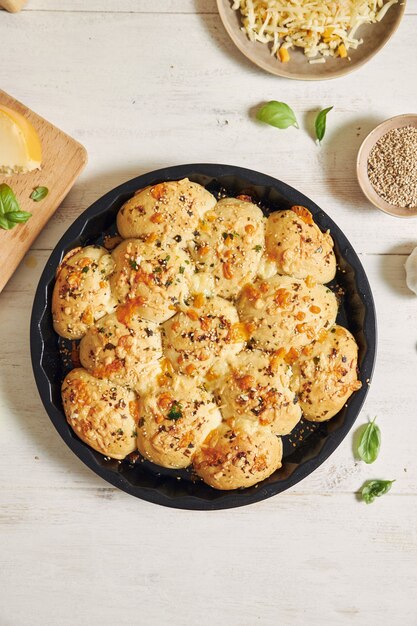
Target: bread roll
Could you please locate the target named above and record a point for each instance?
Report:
(151, 278)
(238, 456)
(174, 421)
(326, 375)
(170, 210)
(195, 337)
(102, 414)
(120, 346)
(82, 292)
(285, 312)
(258, 388)
(298, 247)
(229, 243)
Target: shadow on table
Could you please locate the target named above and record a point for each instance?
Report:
(339, 150)
(389, 272)
(20, 397)
(216, 31)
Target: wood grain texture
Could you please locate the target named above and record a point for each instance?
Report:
(140, 6)
(63, 159)
(164, 106)
(149, 83)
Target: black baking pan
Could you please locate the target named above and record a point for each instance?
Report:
(307, 447)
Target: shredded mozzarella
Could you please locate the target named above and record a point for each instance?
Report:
(321, 29)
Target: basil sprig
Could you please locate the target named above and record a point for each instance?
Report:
(10, 211)
(370, 443)
(39, 193)
(320, 123)
(277, 114)
(375, 489)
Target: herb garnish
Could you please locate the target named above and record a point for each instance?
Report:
(230, 235)
(39, 193)
(374, 489)
(277, 114)
(10, 211)
(370, 443)
(133, 264)
(175, 412)
(320, 123)
(257, 248)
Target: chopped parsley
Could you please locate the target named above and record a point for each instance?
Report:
(257, 248)
(181, 269)
(229, 235)
(175, 412)
(133, 264)
(85, 269)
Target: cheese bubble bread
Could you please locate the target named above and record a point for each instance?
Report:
(206, 334)
(238, 456)
(154, 277)
(82, 292)
(229, 243)
(208, 330)
(168, 210)
(298, 247)
(286, 312)
(120, 346)
(174, 421)
(326, 376)
(103, 415)
(258, 388)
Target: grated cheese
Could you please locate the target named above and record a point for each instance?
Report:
(321, 29)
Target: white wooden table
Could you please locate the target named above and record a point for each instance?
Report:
(145, 84)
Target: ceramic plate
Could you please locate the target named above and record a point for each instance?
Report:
(375, 36)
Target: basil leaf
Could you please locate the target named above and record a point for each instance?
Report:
(8, 200)
(18, 217)
(320, 123)
(39, 193)
(4, 223)
(10, 212)
(277, 114)
(375, 489)
(370, 443)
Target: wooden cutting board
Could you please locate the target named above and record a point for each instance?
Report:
(12, 5)
(63, 159)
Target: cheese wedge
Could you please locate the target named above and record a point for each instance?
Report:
(20, 146)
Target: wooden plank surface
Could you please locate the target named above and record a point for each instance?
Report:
(63, 159)
(144, 84)
(141, 6)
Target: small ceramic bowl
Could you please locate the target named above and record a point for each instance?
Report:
(362, 164)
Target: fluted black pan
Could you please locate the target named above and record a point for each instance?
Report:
(304, 450)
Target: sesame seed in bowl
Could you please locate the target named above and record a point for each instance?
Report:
(387, 166)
